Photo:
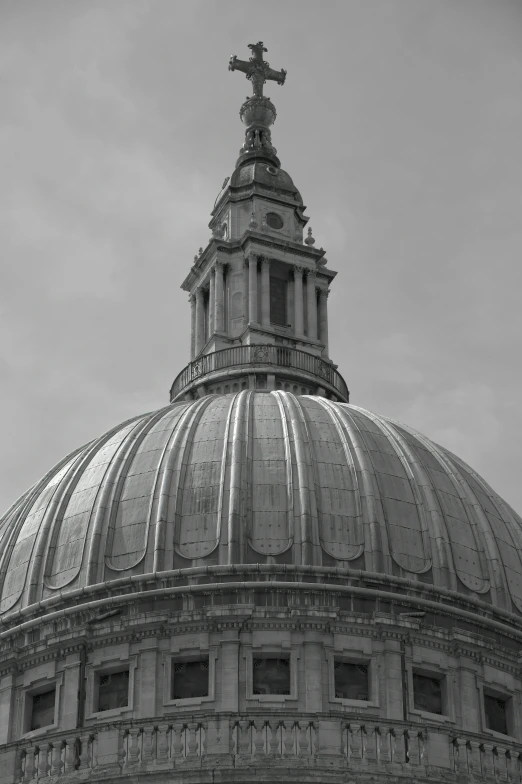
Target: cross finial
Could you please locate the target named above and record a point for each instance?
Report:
(256, 69)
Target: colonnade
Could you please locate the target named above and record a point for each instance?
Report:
(208, 313)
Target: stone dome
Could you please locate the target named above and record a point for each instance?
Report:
(267, 175)
(267, 478)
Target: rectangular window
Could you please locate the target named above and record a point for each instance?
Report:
(496, 710)
(351, 680)
(278, 302)
(113, 690)
(189, 679)
(271, 675)
(427, 693)
(42, 709)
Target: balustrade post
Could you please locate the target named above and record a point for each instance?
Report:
(370, 742)
(177, 738)
(260, 736)
(133, 750)
(192, 743)
(303, 744)
(71, 754)
(398, 745)
(149, 733)
(488, 769)
(355, 742)
(288, 738)
(56, 758)
(412, 738)
(274, 743)
(30, 769)
(244, 737)
(43, 759)
(384, 744)
(473, 757)
(500, 764)
(162, 748)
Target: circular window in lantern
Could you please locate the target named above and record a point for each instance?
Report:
(271, 170)
(274, 220)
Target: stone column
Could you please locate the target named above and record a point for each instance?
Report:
(252, 289)
(312, 306)
(219, 298)
(211, 303)
(323, 318)
(265, 292)
(192, 300)
(200, 320)
(298, 300)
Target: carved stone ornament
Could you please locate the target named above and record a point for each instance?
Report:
(324, 369)
(196, 369)
(261, 353)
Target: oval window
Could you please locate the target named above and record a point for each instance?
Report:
(274, 220)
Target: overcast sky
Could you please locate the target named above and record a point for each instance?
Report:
(400, 123)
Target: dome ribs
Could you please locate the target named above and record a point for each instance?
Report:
(406, 560)
(20, 546)
(235, 464)
(307, 547)
(167, 480)
(342, 539)
(129, 531)
(477, 577)
(270, 524)
(18, 512)
(94, 566)
(199, 493)
(506, 527)
(51, 530)
(259, 477)
(376, 550)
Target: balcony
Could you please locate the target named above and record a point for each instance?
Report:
(172, 746)
(280, 360)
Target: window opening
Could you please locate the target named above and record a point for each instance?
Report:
(42, 709)
(274, 220)
(189, 679)
(271, 675)
(351, 680)
(278, 302)
(113, 690)
(496, 710)
(427, 693)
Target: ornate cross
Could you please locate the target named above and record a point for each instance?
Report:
(257, 69)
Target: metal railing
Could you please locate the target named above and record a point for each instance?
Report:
(259, 355)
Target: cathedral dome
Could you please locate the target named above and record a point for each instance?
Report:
(266, 478)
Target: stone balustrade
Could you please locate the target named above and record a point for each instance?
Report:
(121, 749)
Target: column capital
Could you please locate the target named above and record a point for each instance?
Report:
(311, 273)
(199, 293)
(192, 298)
(298, 269)
(265, 261)
(323, 292)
